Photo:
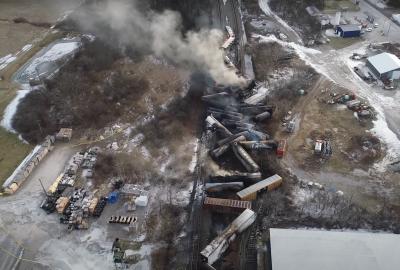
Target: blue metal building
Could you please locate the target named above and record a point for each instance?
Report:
(348, 30)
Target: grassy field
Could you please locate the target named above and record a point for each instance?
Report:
(13, 150)
(340, 43)
(334, 5)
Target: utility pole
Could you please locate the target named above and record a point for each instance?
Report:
(44, 190)
(390, 24)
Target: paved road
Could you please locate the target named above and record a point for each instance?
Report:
(387, 12)
(229, 12)
(8, 245)
(21, 216)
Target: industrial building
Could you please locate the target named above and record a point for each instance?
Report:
(384, 66)
(332, 250)
(348, 30)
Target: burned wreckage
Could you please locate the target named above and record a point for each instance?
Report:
(235, 126)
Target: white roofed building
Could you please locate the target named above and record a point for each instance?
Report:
(333, 250)
(385, 66)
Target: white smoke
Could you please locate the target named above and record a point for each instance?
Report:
(161, 34)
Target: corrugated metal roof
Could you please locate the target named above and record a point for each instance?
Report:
(384, 62)
(333, 250)
(258, 186)
(350, 27)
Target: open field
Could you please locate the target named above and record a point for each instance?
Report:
(13, 37)
(334, 5)
(12, 150)
(338, 43)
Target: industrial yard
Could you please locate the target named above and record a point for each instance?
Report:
(229, 134)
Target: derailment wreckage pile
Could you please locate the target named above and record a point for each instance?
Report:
(235, 124)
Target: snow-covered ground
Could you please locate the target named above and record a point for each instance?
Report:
(11, 109)
(264, 5)
(6, 60)
(48, 60)
(337, 66)
(193, 162)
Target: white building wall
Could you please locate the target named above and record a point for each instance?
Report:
(396, 75)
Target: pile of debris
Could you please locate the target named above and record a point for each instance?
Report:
(362, 109)
(74, 204)
(235, 125)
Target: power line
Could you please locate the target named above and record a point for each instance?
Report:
(17, 257)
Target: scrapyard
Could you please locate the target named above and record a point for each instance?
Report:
(199, 134)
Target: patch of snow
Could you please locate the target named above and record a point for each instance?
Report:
(137, 139)
(264, 5)
(4, 61)
(145, 152)
(303, 52)
(379, 101)
(193, 162)
(165, 159)
(330, 33)
(62, 254)
(182, 197)
(382, 131)
(56, 52)
(11, 109)
(301, 195)
(26, 48)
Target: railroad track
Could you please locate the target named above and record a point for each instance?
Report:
(219, 9)
(239, 33)
(196, 208)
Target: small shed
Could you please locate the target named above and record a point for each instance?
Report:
(384, 66)
(348, 30)
(65, 134)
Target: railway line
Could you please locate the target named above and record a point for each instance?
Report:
(230, 10)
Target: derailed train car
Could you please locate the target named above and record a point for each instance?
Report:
(211, 253)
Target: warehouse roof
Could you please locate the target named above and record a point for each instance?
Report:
(350, 27)
(384, 62)
(258, 186)
(327, 250)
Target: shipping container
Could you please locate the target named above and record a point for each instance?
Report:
(250, 193)
(226, 205)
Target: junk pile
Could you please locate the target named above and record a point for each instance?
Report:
(74, 204)
(236, 125)
(361, 109)
(136, 196)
